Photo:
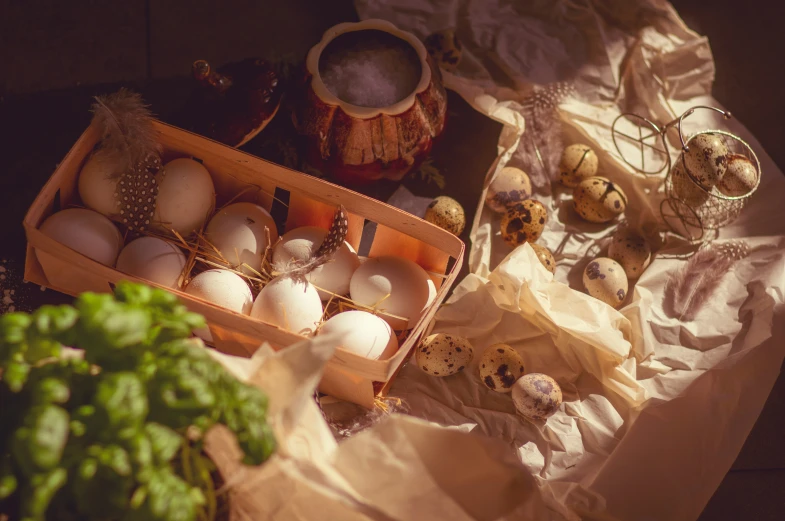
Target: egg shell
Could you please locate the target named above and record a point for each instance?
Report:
(443, 355)
(510, 186)
(740, 177)
(631, 251)
(536, 396)
(152, 259)
(222, 288)
(363, 334)
(289, 304)
(404, 281)
(598, 200)
(578, 162)
(238, 232)
(685, 189)
(706, 158)
(545, 257)
(186, 196)
(606, 280)
(500, 367)
(524, 222)
(332, 277)
(87, 232)
(446, 213)
(96, 188)
(445, 48)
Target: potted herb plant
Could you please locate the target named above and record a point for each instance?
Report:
(115, 433)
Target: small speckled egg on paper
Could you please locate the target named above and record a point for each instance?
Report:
(605, 280)
(545, 257)
(630, 250)
(510, 186)
(578, 162)
(706, 158)
(443, 355)
(740, 177)
(524, 222)
(536, 396)
(446, 213)
(598, 200)
(500, 367)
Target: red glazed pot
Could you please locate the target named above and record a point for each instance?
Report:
(359, 144)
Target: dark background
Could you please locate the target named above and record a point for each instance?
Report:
(55, 55)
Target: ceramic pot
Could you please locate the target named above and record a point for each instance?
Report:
(358, 144)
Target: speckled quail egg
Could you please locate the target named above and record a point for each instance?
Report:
(445, 48)
(443, 355)
(684, 188)
(630, 250)
(510, 186)
(605, 280)
(578, 161)
(536, 396)
(706, 158)
(500, 367)
(545, 257)
(446, 213)
(598, 200)
(740, 177)
(524, 222)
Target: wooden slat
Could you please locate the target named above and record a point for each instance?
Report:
(306, 211)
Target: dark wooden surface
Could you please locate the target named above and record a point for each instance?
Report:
(57, 55)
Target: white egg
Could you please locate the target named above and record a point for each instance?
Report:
(152, 259)
(222, 288)
(334, 276)
(363, 333)
(238, 232)
(606, 280)
(186, 195)
(289, 304)
(87, 232)
(392, 285)
(96, 188)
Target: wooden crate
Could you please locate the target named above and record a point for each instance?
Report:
(311, 202)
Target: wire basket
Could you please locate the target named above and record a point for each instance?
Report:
(689, 208)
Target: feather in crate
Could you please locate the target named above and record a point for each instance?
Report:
(541, 145)
(695, 283)
(129, 145)
(335, 238)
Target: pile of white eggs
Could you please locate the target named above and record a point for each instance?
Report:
(397, 289)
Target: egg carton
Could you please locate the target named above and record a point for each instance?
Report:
(238, 176)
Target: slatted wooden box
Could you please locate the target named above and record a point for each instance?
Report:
(311, 202)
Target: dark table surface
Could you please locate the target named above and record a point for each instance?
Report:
(37, 129)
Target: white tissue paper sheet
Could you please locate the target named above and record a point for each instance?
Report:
(655, 410)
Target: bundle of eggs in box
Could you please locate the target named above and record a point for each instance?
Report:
(307, 281)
